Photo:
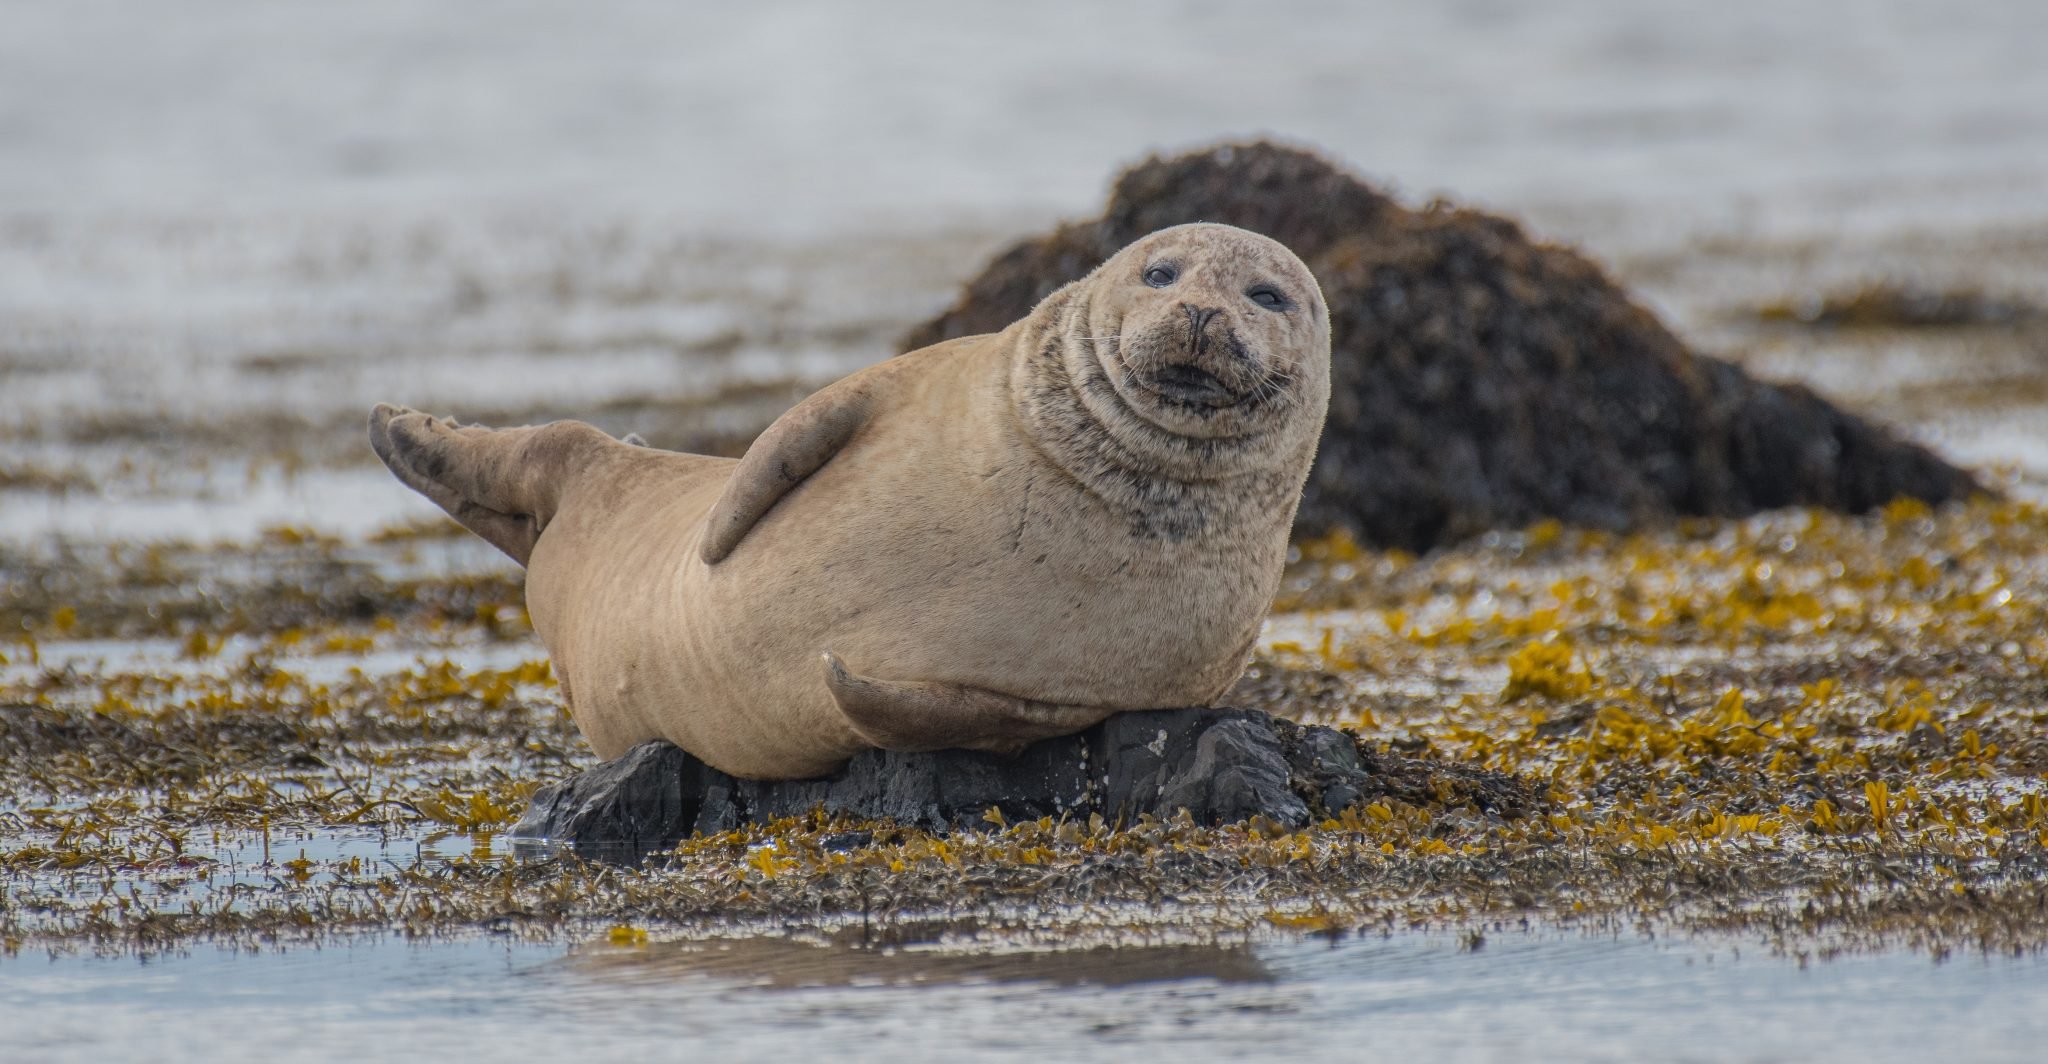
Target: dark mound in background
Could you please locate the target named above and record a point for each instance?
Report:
(1481, 379)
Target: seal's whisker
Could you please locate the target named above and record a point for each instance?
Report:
(1271, 386)
(1116, 337)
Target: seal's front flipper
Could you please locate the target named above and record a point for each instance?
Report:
(914, 717)
(797, 445)
(502, 484)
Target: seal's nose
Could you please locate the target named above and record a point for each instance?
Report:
(1198, 320)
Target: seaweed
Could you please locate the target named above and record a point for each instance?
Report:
(1817, 731)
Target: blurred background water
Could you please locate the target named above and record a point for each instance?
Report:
(226, 228)
(815, 115)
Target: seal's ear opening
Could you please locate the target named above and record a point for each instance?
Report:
(920, 717)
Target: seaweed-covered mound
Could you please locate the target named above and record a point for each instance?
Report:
(1482, 379)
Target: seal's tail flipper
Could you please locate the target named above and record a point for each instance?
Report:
(502, 484)
(913, 717)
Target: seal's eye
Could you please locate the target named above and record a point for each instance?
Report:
(1268, 297)
(1162, 275)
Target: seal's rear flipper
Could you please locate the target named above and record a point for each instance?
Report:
(915, 717)
(502, 484)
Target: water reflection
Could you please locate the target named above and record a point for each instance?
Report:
(781, 964)
(949, 992)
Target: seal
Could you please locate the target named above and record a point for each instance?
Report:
(979, 544)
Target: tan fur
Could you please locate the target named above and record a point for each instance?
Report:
(980, 544)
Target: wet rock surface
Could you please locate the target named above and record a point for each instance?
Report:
(1482, 379)
(1220, 765)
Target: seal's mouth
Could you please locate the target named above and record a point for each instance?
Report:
(1192, 385)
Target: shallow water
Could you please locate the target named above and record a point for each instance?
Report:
(1522, 996)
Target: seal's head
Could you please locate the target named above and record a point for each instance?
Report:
(1205, 331)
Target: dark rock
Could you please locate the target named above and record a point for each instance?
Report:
(629, 805)
(1481, 379)
(1219, 765)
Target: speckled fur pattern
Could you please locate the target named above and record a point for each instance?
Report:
(1177, 467)
(985, 542)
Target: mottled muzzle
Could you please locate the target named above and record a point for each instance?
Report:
(1208, 332)
(1199, 360)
